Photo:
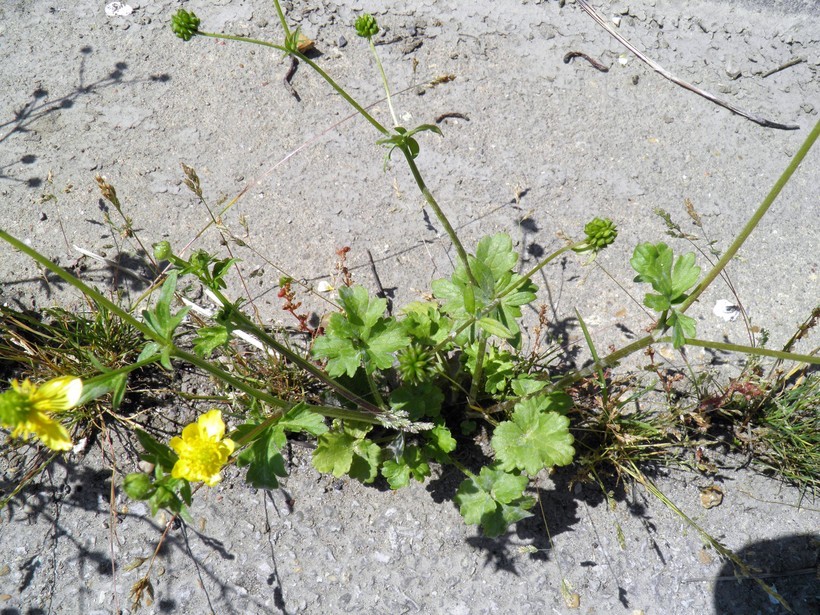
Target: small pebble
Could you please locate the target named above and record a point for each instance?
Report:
(342, 42)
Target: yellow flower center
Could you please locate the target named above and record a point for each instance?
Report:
(202, 451)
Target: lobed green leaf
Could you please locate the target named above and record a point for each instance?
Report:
(534, 438)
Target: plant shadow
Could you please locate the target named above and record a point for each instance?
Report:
(40, 106)
(788, 565)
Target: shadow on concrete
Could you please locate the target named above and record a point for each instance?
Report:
(788, 565)
(39, 106)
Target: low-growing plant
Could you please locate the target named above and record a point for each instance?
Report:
(400, 391)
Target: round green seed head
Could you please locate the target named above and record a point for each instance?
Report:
(366, 26)
(185, 24)
(600, 233)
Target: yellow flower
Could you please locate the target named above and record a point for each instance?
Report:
(27, 409)
(202, 450)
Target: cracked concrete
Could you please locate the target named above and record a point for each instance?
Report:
(546, 147)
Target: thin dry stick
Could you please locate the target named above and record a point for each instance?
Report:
(113, 523)
(665, 73)
(792, 62)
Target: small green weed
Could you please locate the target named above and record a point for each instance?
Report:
(385, 394)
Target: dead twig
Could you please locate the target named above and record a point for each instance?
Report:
(665, 73)
(578, 54)
(792, 62)
(455, 115)
(294, 64)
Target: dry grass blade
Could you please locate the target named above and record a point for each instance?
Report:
(742, 569)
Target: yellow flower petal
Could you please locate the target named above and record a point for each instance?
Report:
(212, 423)
(177, 444)
(229, 446)
(58, 394)
(50, 432)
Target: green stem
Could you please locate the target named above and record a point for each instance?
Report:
(384, 80)
(81, 286)
(612, 359)
(608, 361)
(750, 350)
(235, 382)
(593, 351)
(374, 390)
(282, 405)
(462, 468)
(431, 201)
(122, 370)
(282, 19)
(243, 39)
(300, 56)
(99, 385)
(661, 325)
(755, 219)
(376, 124)
(479, 368)
(245, 324)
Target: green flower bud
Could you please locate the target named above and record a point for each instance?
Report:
(366, 26)
(185, 24)
(416, 364)
(162, 250)
(600, 233)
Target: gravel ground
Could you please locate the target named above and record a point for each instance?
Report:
(541, 148)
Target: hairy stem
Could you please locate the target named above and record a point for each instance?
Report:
(751, 350)
(384, 81)
(479, 368)
(431, 201)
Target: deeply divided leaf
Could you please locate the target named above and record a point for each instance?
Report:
(653, 262)
(348, 452)
(494, 499)
(411, 463)
(263, 457)
(361, 337)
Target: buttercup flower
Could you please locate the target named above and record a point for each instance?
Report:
(27, 409)
(202, 450)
